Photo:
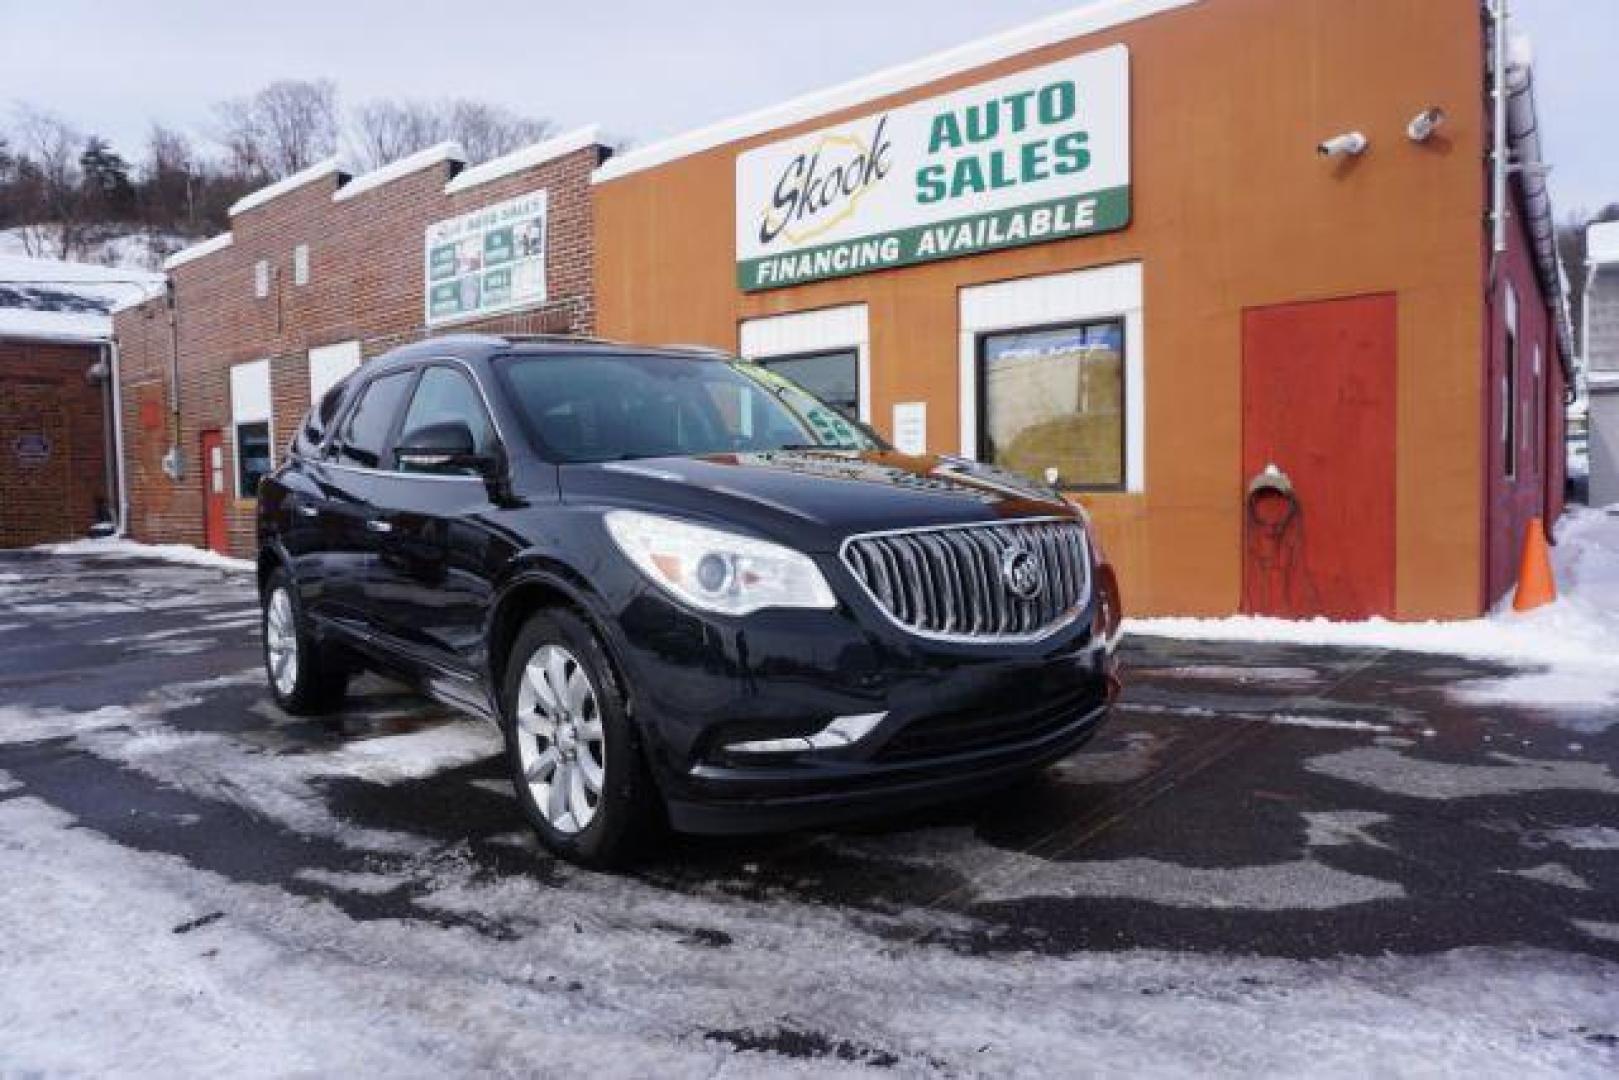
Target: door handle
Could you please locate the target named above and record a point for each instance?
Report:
(377, 525)
(305, 510)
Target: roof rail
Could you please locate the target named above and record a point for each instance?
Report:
(704, 350)
(564, 338)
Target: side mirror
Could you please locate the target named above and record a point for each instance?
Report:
(442, 448)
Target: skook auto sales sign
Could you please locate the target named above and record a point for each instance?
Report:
(1036, 156)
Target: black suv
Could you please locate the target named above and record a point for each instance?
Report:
(678, 583)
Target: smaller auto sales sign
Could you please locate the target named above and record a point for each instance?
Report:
(1036, 156)
(488, 261)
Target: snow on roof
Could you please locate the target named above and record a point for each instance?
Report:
(433, 155)
(52, 300)
(1602, 243)
(1064, 26)
(62, 327)
(330, 167)
(526, 158)
(197, 251)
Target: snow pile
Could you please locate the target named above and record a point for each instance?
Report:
(176, 553)
(1574, 642)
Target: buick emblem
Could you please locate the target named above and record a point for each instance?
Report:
(1022, 573)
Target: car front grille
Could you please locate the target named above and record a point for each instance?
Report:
(953, 583)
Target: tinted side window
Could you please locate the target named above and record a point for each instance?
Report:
(447, 396)
(317, 421)
(365, 433)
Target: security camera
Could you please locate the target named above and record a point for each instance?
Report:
(1352, 143)
(1424, 124)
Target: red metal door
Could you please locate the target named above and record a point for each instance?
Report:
(215, 493)
(1318, 458)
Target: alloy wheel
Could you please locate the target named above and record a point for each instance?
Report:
(560, 739)
(281, 641)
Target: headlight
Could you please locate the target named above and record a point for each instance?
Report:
(717, 570)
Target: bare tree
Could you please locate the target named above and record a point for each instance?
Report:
(284, 128)
(386, 130)
(487, 131)
(51, 204)
(169, 179)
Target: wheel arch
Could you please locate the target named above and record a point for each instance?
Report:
(522, 597)
(270, 560)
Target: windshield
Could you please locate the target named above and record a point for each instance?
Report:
(602, 407)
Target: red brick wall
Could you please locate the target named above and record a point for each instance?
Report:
(43, 391)
(365, 284)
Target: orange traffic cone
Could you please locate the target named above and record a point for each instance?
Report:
(1536, 586)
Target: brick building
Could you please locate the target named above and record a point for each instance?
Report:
(58, 475)
(317, 273)
(1292, 329)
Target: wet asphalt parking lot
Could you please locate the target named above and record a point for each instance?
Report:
(1274, 858)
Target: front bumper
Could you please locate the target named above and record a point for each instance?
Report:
(957, 716)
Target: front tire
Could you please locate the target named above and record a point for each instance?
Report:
(304, 682)
(575, 754)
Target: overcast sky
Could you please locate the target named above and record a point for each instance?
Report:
(642, 68)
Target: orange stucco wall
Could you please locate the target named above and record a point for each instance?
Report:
(1232, 209)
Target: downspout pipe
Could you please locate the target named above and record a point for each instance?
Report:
(109, 442)
(1498, 149)
(122, 513)
(176, 457)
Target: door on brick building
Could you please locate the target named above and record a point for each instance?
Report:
(215, 492)
(1318, 458)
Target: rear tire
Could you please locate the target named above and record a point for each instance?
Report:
(304, 682)
(575, 755)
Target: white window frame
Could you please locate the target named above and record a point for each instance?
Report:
(261, 279)
(1078, 296)
(806, 333)
(329, 365)
(250, 403)
(300, 264)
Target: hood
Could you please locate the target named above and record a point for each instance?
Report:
(812, 499)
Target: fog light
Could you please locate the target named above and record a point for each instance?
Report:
(843, 731)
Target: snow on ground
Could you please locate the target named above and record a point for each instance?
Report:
(175, 553)
(118, 961)
(1570, 648)
(402, 952)
(131, 250)
(216, 766)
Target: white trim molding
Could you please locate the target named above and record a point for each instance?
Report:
(198, 250)
(806, 332)
(1093, 18)
(332, 166)
(1107, 292)
(526, 158)
(401, 167)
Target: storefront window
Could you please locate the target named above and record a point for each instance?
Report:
(1053, 399)
(834, 377)
(252, 457)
